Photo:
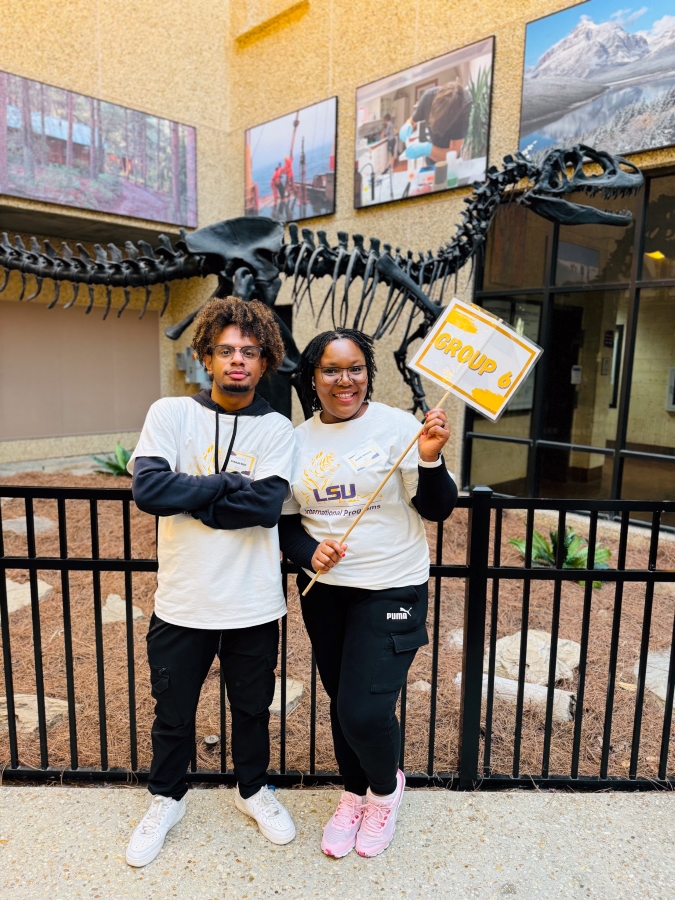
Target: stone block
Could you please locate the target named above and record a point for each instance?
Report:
(18, 595)
(26, 713)
(656, 675)
(115, 610)
(456, 638)
(18, 526)
(507, 657)
(506, 689)
(294, 691)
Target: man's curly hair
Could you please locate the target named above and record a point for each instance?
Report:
(252, 317)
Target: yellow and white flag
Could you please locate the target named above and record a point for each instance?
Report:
(475, 356)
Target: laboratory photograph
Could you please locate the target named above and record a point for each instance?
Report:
(424, 129)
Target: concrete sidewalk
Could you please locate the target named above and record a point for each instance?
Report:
(64, 843)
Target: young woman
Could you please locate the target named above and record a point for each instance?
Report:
(366, 615)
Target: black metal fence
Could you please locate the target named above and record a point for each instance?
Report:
(485, 578)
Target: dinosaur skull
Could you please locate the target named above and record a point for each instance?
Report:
(562, 173)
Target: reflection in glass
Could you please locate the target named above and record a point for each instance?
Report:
(500, 465)
(588, 475)
(659, 256)
(651, 416)
(649, 479)
(589, 254)
(525, 317)
(516, 249)
(584, 365)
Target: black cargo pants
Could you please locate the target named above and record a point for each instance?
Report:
(364, 643)
(180, 659)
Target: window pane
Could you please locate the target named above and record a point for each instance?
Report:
(649, 479)
(583, 373)
(516, 249)
(590, 254)
(659, 258)
(525, 316)
(570, 474)
(651, 417)
(499, 465)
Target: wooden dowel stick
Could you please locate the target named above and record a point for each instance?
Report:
(377, 490)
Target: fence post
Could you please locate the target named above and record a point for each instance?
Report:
(475, 604)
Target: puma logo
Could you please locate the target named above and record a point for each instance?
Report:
(403, 614)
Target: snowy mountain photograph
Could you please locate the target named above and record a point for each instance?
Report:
(601, 74)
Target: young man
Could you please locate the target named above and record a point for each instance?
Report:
(215, 467)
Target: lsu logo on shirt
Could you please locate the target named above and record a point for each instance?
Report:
(336, 492)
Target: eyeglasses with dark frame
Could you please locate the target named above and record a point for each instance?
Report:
(333, 374)
(224, 351)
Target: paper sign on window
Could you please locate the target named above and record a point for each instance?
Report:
(475, 356)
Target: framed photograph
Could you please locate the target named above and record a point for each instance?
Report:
(600, 74)
(290, 164)
(425, 129)
(60, 147)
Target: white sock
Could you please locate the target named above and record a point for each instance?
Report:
(385, 801)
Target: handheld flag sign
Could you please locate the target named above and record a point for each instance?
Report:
(476, 356)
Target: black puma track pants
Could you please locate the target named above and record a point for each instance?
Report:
(364, 643)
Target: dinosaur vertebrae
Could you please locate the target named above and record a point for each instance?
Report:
(142, 267)
(421, 278)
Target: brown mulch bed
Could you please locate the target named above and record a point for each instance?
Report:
(299, 654)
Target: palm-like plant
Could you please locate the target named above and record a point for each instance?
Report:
(475, 142)
(575, 552)
(115, 463)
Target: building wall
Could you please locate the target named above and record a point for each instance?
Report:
(226, 67)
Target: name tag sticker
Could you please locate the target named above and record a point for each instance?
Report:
(243, 463)
(364, 457)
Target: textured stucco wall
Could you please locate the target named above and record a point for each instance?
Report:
(225, 67)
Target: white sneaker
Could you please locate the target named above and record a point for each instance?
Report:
(273, 819)
(149, 834)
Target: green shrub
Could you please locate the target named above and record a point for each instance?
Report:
(575, 552)
(115, 463)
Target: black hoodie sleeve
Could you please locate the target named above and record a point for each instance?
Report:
(227, 500)
(161, 492)
(436, 493)
(254, 503)
(295, 543)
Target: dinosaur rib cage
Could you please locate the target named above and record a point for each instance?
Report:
(408, 277)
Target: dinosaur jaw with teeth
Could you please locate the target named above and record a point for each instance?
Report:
(556, 209)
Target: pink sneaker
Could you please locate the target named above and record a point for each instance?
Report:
(379, 821)
(339, 835)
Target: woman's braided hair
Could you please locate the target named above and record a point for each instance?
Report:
(313, 352)
(251, 317)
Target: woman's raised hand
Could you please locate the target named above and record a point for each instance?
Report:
(327, 554)
(435, 435)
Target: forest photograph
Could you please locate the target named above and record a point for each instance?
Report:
(66, 148)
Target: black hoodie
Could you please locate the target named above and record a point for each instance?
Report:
(225, 500)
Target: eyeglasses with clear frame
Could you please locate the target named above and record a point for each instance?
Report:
(333, 374)
(224, 351)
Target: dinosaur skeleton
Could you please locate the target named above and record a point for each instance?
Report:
(248, 255)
